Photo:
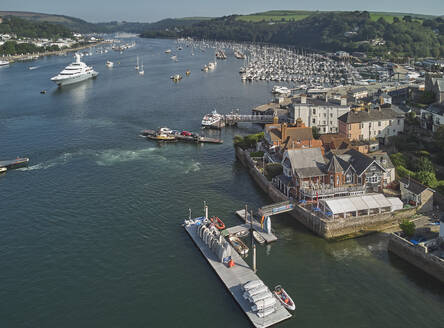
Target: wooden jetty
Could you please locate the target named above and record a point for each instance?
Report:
(269, 237)
(234, 278)
(151, 134)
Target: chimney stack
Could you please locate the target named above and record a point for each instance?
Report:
(303, 99)
(284, 131)
(343, 101)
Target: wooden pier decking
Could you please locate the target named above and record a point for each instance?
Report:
(234, 278)
(269, 237)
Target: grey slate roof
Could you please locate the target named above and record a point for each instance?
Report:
(372, 115)
(307, 162)
(335, 166)
(359, 161)
(414, 186)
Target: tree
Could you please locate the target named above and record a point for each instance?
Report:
(408, 227)
(315, 131)
(427, 178)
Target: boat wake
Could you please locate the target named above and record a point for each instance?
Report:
(195, 167)
(110, 157)
(60, 160)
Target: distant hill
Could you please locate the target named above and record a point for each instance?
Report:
(389, 35)
(295, 15)
(74, 24)
(82, 26)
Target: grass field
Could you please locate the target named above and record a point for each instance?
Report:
(287, 15)
(277, 16)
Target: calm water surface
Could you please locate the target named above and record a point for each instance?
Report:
(91, 232)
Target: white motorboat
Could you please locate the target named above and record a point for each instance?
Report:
(212, 65)
(258, 237)
(284, 298)
(109, 64)
(3, 170)
(74, 73)
(213, 120)
(4, 62)
(168, 51)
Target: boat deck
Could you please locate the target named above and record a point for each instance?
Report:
(269, 237)
(234, 278)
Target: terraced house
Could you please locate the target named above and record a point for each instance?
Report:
(371, 124)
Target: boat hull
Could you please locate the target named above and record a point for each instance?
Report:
(15, 163)
(76, 79)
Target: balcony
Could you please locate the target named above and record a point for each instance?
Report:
(325, 191)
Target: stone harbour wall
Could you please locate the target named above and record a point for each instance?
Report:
(417, 255)
(330, 229)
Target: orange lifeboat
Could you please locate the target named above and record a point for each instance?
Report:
(217, 223)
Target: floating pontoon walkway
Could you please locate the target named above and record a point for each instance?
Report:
(269, 237)
(234, 278)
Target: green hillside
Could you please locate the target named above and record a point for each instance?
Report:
(295, 15)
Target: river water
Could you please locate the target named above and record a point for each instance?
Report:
(91, 231)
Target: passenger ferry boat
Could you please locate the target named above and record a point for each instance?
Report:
(74, 73)
(213, 120)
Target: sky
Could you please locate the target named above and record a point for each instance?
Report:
(150, 11)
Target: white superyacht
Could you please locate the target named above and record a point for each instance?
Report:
(74, 72)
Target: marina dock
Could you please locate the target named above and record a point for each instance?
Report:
(269, 237)
(234, 278)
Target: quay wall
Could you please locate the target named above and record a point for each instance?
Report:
(329, 229)
(417, 255)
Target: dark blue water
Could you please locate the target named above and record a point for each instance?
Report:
(91, 232)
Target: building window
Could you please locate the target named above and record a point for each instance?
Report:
(399, 122)
(349, 127)
(348, 178)
(379, 123)
(390, 122)
(314, 121)
(337, 180)
(331, 114)
(314, 111)
(325, 114)
(331, 180)
(325, 122)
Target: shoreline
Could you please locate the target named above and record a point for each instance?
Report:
(14, 58)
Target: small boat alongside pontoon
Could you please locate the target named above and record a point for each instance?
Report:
(238, 245)
(284, 298)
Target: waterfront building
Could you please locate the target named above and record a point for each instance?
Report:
(279, 136)
(416, 194)
(308, 174)
(320, 113)
(371, 124)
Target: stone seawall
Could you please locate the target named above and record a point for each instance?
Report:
(417, 255)
(339, 228)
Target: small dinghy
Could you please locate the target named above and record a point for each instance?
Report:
(238, 245)
(218, 223)
(258, 237)
(284, 298)
(241, 233)
(252, 284)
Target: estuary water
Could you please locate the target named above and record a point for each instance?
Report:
(91, 231)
